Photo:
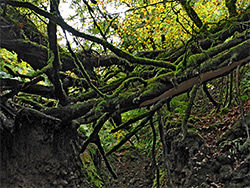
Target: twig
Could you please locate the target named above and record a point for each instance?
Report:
(164, 148)
(94, 135)
(129, 135)
(158, 105)
(153, 153)
(99, 145)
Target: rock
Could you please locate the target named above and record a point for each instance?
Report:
(132, 181)
(213, 166)
(54, 182)
(64, 182)
(225, 158)
(225, 172)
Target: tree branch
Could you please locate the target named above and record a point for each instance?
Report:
(188, 110)
(10, 84)
(94, 135)
(120, 53)
(231, 6)
(191, 13)
(149, 113)
(54, 56)
(129, 135)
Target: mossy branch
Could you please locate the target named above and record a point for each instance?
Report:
(99, 145)
(54, 56)
(120, 53)
(188, 110)
(107, 88)
(164, 148)
(35, 104)
(43, 70)
(94, 135)
(231, 6)
(158, 105)
(191, 13)
(153, 153)
(20, 88)
(126, 83)
(240, 101)
(82, 70)
(129, 135)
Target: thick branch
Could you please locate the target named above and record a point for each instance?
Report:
(188, 110)
(231, 6)
(224, 64)
(10, 84)
(59, 91)
(191, 13)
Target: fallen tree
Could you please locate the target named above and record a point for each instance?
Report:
(146, 80)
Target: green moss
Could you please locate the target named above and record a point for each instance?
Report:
(180, 66)
(245, 145)
(151, 88)
(195, 59)
(193, 119)
(213, 126)
(164, 78)
(178, 73)
(82, 130)
(168, 53)
(126, 83)
(101, 106)
(156, 85)
(192, 131)
(173, 123)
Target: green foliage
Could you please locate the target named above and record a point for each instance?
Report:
(90, 168)
(10, 59)
(179, 104)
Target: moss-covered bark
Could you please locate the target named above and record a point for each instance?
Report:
(191, 13)
(231, 6)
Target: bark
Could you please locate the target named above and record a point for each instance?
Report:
(191, 13)
(54, 56)
(231, 6)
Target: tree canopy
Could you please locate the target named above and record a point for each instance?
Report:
(95, 67)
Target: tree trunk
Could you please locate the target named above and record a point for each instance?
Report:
(35, 153)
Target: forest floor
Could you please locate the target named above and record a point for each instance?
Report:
(218, 156)
(215, 155)
(133, 169)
